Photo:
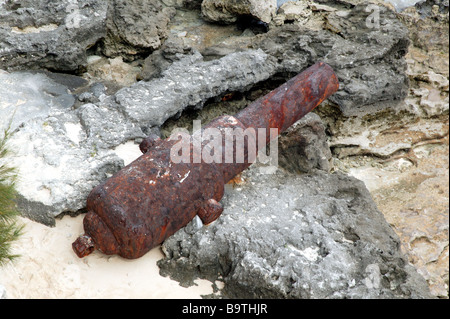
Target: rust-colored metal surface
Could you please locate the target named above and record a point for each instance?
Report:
(153, 197)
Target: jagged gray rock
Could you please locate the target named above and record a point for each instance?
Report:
(369, 60)
(55, 35)
(56, 171)
(228, 11)
(425, 8)
(136, 27)
(295, 236)
(304, 146)
(190, 4)
(192, 82)
(160, 60)
(49, 34)
(367, 55)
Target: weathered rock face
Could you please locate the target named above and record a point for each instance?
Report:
(296, 236)
(368, 57)
(422, 115)
(369, 61)
(401, 153)
(55, 35)
(425, 8)
(181, 86)
(414, 200)
(49, 34)
(26, 95)
(423, 221)
(172, 50)
(135, 27)
(190, 4)
(228, 11)
(304, 146)
(46, 144)
(428, 56)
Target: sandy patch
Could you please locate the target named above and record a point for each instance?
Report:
(48, 268)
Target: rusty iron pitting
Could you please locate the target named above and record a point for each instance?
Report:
(153, 197)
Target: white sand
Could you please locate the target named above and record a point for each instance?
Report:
(48, 268)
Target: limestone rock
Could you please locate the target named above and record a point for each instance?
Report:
(296, 236)
(369, 61)
(112, 71)
(294, 11)
(172, 50)
(304, 146)
(432, 7)
(428, 58)
(49, 34)
(56, 173)
(228, 11)
(155, 101)
(190, 4)
(402, 153)
(136, 27)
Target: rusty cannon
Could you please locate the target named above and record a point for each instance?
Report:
(153, 197)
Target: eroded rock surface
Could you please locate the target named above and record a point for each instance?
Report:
(49, 34)
(402, 154)
(136, 27)
(228, 11)
(296, 236)
(369, 61)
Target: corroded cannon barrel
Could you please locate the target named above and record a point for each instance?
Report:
(155, 196)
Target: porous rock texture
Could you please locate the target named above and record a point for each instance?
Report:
(228, 11)
(304, 146)
(190, 4)
(368, 58)
(49, 34)
(183, 86)
(295, 236)
(369, 61)
(136, 27)
(56, 35)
